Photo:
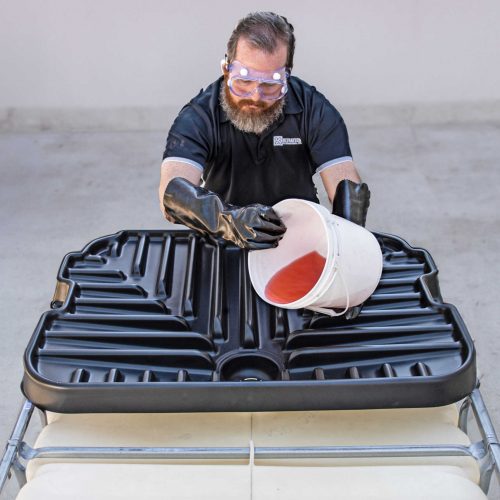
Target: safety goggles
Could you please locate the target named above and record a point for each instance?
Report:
(244, 82)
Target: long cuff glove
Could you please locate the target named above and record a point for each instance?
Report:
(351, 202)
(253, 227)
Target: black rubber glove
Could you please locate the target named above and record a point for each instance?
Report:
(351, 202)
(253, 227)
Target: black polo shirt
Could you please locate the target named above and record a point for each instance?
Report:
(248, 168)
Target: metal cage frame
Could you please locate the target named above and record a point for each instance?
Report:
(485, 451)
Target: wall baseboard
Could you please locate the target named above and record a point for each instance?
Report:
(160, 119)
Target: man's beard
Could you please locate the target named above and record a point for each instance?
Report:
(253, 120)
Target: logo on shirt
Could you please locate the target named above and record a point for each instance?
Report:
(279, 140)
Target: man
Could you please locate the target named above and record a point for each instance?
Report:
(256, 136)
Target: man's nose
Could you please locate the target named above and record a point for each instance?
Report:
(256, 95)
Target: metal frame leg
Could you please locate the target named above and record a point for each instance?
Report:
(463, 416)
(485, 472)
(20, 472)
(490, 440)
(43, 416)
(10, 457)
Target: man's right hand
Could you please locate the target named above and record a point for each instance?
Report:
(253, 227)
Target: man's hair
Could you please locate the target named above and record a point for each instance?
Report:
(263, 30)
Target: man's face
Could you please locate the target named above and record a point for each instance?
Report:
(254, 114)
(258, 60)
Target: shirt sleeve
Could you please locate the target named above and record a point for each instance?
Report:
(190, 139)
(328, 138)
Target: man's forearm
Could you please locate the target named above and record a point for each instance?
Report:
(170, 170)
(333, 175)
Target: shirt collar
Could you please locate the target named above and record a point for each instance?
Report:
(292, 105)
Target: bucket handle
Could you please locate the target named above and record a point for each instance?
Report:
(331, 312)
(324, 310)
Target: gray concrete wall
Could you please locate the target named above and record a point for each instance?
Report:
(129, 64)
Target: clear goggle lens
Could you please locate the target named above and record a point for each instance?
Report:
(267, 90)
(244, 82)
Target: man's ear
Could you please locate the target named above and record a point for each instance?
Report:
(224, 64)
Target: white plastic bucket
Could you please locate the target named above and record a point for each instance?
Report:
(353, 259)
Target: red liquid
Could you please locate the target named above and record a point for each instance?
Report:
(295, 280)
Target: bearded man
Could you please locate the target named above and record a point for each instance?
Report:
(254, 137)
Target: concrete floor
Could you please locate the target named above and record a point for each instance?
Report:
(436, 186)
